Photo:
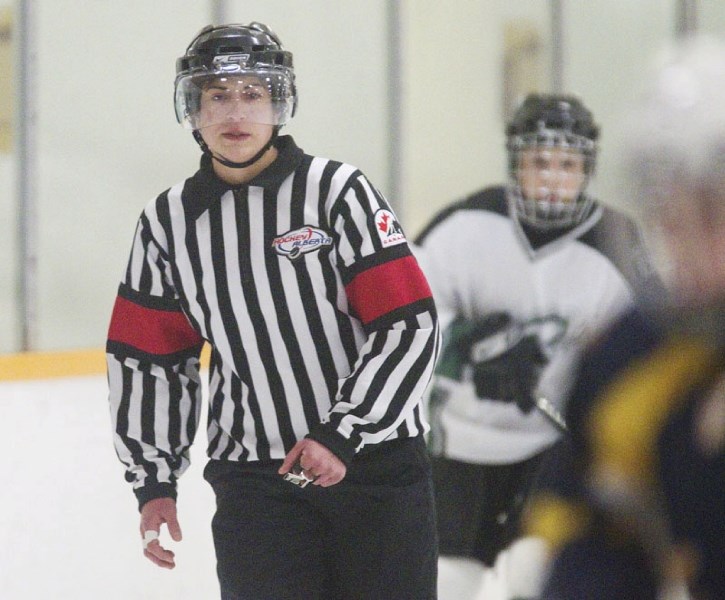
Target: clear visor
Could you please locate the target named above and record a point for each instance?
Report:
(263, 96)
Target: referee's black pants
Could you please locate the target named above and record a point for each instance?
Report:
(370, 537)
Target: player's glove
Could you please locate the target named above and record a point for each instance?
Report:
(506, 364)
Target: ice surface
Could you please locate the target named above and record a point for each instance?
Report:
(69, 521)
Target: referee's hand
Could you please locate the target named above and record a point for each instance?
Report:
(317, 462)
(153, 514)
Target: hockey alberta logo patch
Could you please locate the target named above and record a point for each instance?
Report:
(388, 228)
(297, 242)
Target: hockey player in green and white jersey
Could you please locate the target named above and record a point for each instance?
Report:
(522, 275)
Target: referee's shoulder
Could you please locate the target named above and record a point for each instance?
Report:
(166, 206)
(155, 207)
(332, 165)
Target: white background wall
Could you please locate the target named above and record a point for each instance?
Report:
(8, 240)
(8, 262)
(453, 139)
(108, 142)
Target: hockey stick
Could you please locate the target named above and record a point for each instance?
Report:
(550, 411)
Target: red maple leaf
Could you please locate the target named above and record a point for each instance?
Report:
(383, 225)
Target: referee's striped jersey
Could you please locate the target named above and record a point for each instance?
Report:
(319, 320)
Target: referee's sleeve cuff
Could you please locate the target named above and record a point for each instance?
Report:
(151, 491)
(340, 446)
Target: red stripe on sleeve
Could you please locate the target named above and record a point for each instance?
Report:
(382, 289)
(150, 330)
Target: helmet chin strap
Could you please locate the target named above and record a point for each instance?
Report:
(230, 163)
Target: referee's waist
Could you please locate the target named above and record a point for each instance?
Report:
(387, 451)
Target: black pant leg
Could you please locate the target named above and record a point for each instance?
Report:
(268, 543)
(384, 538)
(370, 537)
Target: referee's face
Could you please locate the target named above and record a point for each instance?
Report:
(236, 117)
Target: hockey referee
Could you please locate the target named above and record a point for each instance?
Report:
(323, 337)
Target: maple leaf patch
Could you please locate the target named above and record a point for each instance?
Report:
(389, 230)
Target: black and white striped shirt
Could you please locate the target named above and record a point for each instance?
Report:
(319, 320)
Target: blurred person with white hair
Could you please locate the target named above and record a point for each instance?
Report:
(633, 505)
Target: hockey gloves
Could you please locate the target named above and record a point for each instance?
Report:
(505, 363)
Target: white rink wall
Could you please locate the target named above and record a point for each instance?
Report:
(423, 118)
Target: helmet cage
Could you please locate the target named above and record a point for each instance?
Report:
(553, 211)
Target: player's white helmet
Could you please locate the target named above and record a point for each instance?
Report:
(675, 135)
(551, 131)
(674, 149)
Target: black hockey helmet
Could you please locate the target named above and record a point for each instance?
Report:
(229, 51)
(549, 121)
(555, 112)
(233, 54)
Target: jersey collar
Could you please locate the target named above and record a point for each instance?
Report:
(205, 187)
